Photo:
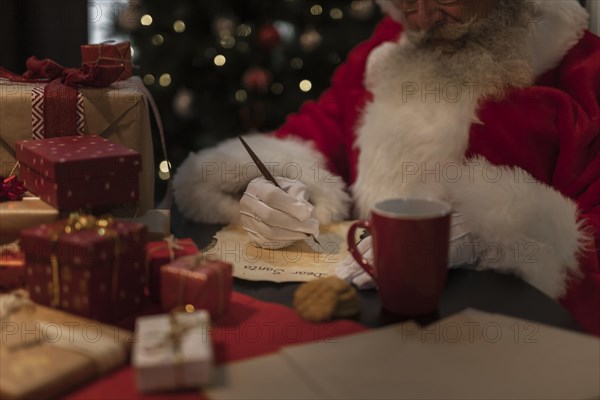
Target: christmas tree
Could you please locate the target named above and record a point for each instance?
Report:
(219, 68)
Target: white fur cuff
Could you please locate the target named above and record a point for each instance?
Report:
(209, 184)
(520, 225)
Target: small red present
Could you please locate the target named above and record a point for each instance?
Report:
(75, 172)
(108, 54)
(12, 267)
(163, 252)
(205, 284)
(93, 267)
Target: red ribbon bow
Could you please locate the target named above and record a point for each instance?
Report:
(60, 94)
(47, 70)
(11, 189)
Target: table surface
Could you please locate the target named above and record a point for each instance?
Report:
(465, 288)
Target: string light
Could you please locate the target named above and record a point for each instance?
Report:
(164, 80)
(316, 9)
(305, 85)
(164, 166)
(286, 30)
(244, 30)
(146, 20)
(164, 176)
(149, 79)
(336, 13)
(228, 42)
(241, 96)
(179, 26)
(158, 39)
(220, 60)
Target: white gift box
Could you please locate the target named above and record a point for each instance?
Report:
(173, 351)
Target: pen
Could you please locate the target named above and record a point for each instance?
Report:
(263, 170)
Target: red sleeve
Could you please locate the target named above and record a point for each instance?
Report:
(552, 130)
(578, 170)
(329, 121)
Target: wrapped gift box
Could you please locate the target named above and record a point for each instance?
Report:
(12, 267)
(205, 284)
(90, 267)
(163, 252)
(118, 113)
(18, 215)
(109, 54)
(74, 172)
(172, 351)
(44, 353)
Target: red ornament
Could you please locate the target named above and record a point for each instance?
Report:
(269, 37)
(12, 189)
(257, 79)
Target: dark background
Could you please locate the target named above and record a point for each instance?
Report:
(269, 47)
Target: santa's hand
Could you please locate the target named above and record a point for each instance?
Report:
(351, 272)
(274, 217)
(461, 252)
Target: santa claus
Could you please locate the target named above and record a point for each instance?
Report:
(491, 105)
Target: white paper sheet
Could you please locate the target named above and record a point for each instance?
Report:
(300, 262)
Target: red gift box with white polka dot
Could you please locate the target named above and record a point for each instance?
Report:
(79, 172)
(97, 273)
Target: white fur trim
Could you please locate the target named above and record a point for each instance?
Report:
(557, 27)
(520, 225)
(412, 145)
(407, 134)
(209, 184)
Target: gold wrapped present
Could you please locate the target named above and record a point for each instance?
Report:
(118, 113)
(45, 353)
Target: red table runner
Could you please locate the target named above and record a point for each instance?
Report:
(249, 328)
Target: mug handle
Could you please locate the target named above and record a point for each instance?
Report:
(360, 259)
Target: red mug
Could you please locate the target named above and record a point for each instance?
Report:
(410, 247)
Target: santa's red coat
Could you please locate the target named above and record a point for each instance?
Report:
(550, 130)
(540, 217)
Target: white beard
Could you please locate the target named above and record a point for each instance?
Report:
(414, 134)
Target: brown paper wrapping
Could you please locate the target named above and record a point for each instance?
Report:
(36, 369)
(17, 215)
(118, 113)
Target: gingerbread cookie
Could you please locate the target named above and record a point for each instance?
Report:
(324, 298)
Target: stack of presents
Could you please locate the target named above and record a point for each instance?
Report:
(82, 247)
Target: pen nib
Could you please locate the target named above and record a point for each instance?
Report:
(316, 241)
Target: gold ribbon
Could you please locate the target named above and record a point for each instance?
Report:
(172, 246)
(174, 338)
(75, 223)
